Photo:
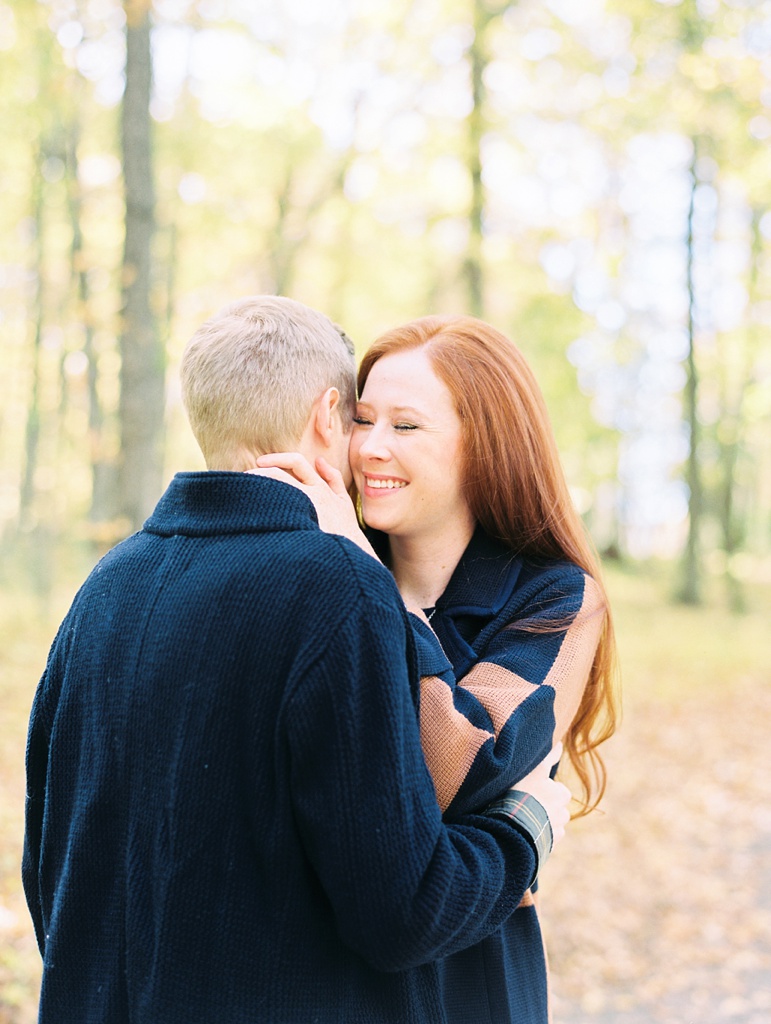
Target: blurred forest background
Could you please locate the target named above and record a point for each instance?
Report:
(591, 176)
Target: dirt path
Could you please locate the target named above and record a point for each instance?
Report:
(659, 910)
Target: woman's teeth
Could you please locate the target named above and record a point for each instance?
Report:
(389, 484)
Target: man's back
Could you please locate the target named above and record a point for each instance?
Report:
(227, 820)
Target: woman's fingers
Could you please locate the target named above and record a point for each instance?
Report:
(544, 769)
(293, 463)
(553, 757)
(301, 469)
(331, 476)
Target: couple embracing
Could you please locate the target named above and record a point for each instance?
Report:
(284, 768)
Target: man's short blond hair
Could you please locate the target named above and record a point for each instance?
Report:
(251, 374)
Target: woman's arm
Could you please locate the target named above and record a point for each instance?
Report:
(483, 730)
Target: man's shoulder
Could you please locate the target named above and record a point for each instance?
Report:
(292, 565)
(354, 569)
(337, 572)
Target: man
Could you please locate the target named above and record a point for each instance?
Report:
(229, 817)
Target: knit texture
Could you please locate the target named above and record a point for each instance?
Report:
(229, 816)
(521, 636)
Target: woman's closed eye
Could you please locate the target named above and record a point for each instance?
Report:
(402, 426)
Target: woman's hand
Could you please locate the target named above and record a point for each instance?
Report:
(325, 487)
(554, 796)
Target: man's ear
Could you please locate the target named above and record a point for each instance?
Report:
(326, 409)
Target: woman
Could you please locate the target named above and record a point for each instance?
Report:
(451, 414)
(456, 465)
(464, 499)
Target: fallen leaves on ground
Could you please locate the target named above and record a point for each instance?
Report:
(657, 908)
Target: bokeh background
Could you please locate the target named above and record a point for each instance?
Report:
(591, 176)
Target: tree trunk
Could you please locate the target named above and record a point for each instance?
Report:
(690, 589)
(32, 428)
(142, 358)
(103, 497)
(732, 426)
(729, 451)
(473, 266)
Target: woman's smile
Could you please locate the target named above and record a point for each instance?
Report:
(406, 440)
(381, 483)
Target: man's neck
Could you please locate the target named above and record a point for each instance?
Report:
(243, 459)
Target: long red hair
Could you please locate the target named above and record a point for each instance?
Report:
(516, 489)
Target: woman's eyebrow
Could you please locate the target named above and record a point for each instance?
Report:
(408, 409)
(401, 409)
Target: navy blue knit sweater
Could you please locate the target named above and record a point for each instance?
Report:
(229, 816)
(521, 635)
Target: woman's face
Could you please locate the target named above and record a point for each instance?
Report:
(405, 449)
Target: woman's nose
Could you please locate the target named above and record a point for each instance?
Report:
(372, 445)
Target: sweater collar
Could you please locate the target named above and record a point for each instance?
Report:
(479, 589)
(483, 579)
(213, 502)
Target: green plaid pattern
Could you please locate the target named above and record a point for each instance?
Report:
(530, 816)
